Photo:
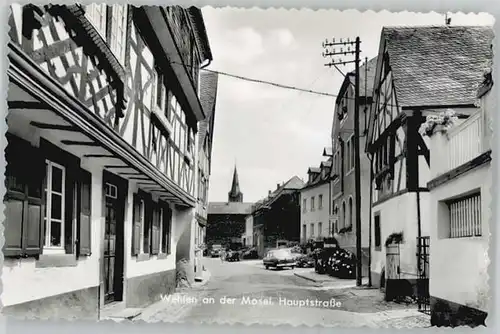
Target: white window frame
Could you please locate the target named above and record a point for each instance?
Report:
(320, 229)
(313, 207)
(96, 13)
(142, 212)
(111, 191)
(304, 204)
(312, 230)
(48, 206)
(320, 201)
(350, 151)
(160, 251)
(117, 43)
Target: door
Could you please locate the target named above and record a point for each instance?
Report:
(113, 246)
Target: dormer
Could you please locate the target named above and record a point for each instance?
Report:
(312, 172)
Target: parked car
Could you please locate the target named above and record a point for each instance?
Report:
(279, 258)
(233, 255)
(215, 252)
(250, 253)
(305, 261)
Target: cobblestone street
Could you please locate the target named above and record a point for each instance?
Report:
(244, 292)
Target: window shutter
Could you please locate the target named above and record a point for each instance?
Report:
(136, 226)
(13, 226)
(70, 207)
(155, 235)
(147, 226)
(85, 218)
(23, 199)
(167, 229)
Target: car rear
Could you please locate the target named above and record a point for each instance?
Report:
(279, 258)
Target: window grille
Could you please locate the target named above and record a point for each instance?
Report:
(465, 217)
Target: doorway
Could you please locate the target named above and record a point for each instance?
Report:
(115, 190)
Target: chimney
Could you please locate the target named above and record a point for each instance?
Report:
(277, 186)
(269, 193)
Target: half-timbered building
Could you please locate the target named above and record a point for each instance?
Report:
(342, 201)
(208, 96)
(460, 216)
(421, 71)
(103, 109)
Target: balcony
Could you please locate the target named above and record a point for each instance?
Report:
(459, 145)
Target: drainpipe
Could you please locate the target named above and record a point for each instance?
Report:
(370, 157)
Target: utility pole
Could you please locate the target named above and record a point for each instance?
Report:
(357, 173)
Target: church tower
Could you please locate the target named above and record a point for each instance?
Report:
(235, 195)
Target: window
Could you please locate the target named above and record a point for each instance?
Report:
(312, 230)
(312, 203)
(141, 220)
(304, 205)
(377, 232)
(346, 156)
(118, 35)
(320, 200)
(42, 182)
(320, 229)
(349, 155)
(111, 190)
(54, 205)
(352, 154)
(344, 213)
(166, 228)
(151, 226)
(96, 13)
(350, 211)
(465, 217)
(304, 232)
(161, 94)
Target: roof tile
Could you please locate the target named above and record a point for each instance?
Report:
(438, 65)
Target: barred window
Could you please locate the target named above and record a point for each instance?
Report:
(465, 216)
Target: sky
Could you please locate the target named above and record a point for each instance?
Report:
(271, 133)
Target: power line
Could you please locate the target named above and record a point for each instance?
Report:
(280, 85)
(263, 81)
(271, 83)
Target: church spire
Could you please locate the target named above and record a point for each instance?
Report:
(235, 195)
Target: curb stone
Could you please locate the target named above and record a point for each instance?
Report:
(150, 312)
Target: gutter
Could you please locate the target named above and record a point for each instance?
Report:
(206, 64)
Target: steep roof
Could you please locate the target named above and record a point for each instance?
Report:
(438, 65)
(229, 208)
(208, 98)
(320, 178)
(293, 184)
(314, 170)
(328, 152)
(235, 186)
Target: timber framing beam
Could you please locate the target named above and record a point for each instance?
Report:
(25, 73)
(79, 143)
(395, 124)
(456, 172)
(60, 127)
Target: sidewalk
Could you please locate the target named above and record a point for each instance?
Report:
(163, 309)
(328, 281)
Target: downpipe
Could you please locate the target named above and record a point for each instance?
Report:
(370, 157)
